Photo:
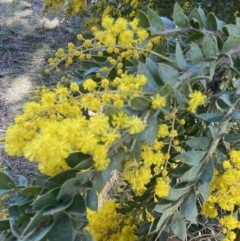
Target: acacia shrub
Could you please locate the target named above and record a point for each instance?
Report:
(159, 118)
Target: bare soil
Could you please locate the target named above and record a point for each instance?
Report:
(28, 37)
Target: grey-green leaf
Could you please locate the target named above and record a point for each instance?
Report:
(207, 172)
(156, 23)
(211, 117)
(6, 181)
(168, 74)
(178, 226)
(192, 174)
(231, 43)
(166, 90)
(204, 189)
(179, 18)
(212, 23)
(195, 53)
(209, 47)
(191, 157)
(181, 62)
(196, 15)
(140, 103)
(189, 208)
(231, 138)
(92, 200)
(199, 142)
(47, 199)
(150, 132)
(62, 228)
(71, 186)
(150, 85)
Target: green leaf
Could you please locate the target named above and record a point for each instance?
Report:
(207, 172)
(192, 174)
(88, 64)
(60, 206)
(91, 71)
(231, 138)
(140, 103)
(194, 37)
(92, 200)
(75, 158)
(111, 110)
(195, 53)
(136, 150)
(231, 43)
(189, 208)
(195, 23)
(181, 62)
(4, 225)
(150, 85)
(63, 176)
(178, 191)
(203, 16)
(6, 181)
(153, 68)
(191, 157)
(84, 176)
(39, 234)
(166, 90)
(15, 229)
(158, 224)
(84, 164)
(62, 228)
(211, 117)
(209, 47)
(179, 18)
(72, 186)
(168, 74)
(231, 30)
(150, 132)
(22, 181)
(156, 23)
(120, 158)
(47, 199)
(212, 22)
(31, 191)
(204, 189)
(182, 100)
(169, 24)
(196, 15)
(164, 204)
(35, 221)
(100, 178)
(199, 142)
(143, 20)
(25, 218)
(86, 236)
(77, 206)
(178, 226)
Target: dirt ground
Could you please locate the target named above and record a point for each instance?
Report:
(28, 37)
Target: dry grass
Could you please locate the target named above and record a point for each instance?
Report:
(27, 40)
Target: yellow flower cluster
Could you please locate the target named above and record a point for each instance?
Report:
(71, 7)
(138, 173)
(120, 38)
(225, 192)
(196, 99)
(54, 126)
(108, 225)
(186, 6)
